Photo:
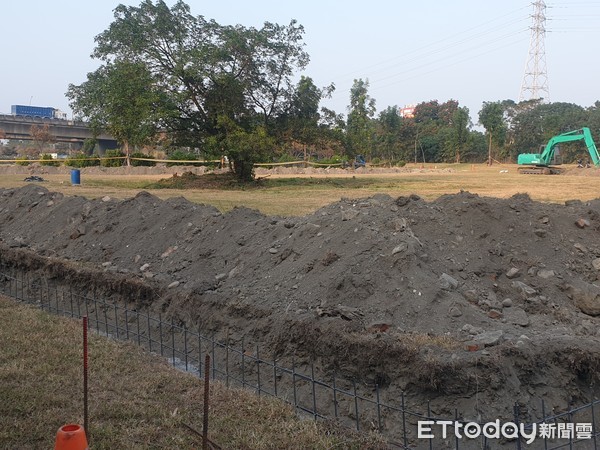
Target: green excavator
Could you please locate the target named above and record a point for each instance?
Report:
(542, 163)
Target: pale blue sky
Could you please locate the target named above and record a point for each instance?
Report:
(468, 50)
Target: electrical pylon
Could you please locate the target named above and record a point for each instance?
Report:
(535, 79)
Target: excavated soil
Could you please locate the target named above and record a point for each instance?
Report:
(468, 302)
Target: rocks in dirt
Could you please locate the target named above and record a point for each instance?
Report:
(485, 339)
(78, 232)
(220, 277)
(525, 290)
(495, 314)
(517, 316)
(400, 248)
(546, 274)
(447, 282)
(596, 263)
(582, 223)
(174, 284)
(513, 272)
(17, 242)
(342, 311)
(144, 267)
(378, 327)
(349, 214)
(585, 296)
(455, 311)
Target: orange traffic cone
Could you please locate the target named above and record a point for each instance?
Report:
(71, 437)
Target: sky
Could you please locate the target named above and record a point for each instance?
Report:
(471, 51)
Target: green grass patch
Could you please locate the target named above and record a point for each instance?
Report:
(137, 401)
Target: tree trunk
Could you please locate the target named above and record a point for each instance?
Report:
(126, 147)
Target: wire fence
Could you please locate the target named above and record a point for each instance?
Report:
(348, 402)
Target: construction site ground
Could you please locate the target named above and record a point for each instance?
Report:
(468, 302)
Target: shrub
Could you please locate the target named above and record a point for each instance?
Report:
(112, 158)
(82, 160)
(47, 160)
(135, 162)
(335, 159)
(179, 155)
(23, 161)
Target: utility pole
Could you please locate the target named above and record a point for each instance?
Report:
(535, 78)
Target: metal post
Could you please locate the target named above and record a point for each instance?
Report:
(173, 338)
(126, 325)
(378, 409)
(149, 334)
(185, 346)
(275, 375)
(227, 358)
(206, 394)
(85, 377)
(335, 402)
(314, 392)
(516, 411)
(116, 321)
(593, 423)
(404, 422)
(356, 406)
(258, 370)
(294, 380)
(160, 336)
(105, 320)
(214, 360)
(243, 371)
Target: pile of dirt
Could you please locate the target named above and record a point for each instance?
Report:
(473, 303)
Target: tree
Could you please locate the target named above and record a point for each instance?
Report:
(205, 71)
(460, 131)
(302, 119)
(41, 136)
(120, 97)
(245, 147)
(360, 128)
(491, 117)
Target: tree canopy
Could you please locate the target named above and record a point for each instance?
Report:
(238, 91)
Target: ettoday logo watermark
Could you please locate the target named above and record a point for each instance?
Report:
(427, 429)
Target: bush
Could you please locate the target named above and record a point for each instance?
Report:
(82, 160)
(142, 163)
(47, 160)
(179, 155)
(112, 158)
(23, 161)
(335, 159)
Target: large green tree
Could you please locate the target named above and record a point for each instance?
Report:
(120, 97)
(206, 72)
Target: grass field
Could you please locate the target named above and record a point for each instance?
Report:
(136, 400)
(288, 195)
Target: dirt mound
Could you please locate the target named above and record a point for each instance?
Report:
(465, 301)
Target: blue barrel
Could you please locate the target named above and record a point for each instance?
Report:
(75, 177)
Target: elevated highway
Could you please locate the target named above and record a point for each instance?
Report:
(19, 127)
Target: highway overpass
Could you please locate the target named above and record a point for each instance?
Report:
(19, 127)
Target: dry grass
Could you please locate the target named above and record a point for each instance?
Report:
(289, 197)
(137, 401)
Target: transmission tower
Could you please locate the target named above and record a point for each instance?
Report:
(535, 79)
